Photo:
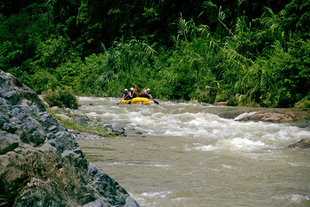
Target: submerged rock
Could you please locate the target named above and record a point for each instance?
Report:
(41, 164)
(304, 144)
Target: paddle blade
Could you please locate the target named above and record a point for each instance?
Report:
(156, 102)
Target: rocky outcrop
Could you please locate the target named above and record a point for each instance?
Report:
(292, 116)
(41, 163)
(272, 115)
(303, 144)
(116, 129)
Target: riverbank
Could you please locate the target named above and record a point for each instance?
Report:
(82, 125)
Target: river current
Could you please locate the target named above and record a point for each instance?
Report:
(185, 155)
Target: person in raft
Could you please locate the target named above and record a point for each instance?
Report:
(126, 95)
(133, 92)
(146, 94)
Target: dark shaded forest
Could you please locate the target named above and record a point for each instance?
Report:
(254, 53)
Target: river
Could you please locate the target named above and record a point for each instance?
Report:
(184, 154)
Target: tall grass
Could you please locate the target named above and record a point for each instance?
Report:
(246, 67)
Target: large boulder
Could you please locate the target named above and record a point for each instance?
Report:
(268, 115)
(41, 164)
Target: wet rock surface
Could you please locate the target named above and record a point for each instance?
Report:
(295, 117)
(41, 164)
(272, 115)
(303, 144)
(116, 128)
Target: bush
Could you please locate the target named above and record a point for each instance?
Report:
(61, 98)
(304, 103)
(42, 80)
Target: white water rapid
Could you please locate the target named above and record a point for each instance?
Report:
(185, 155)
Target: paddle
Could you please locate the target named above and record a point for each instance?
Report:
(155, 101)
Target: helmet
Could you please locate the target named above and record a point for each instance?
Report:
(148, 89)
(132, 89)
(125, 89)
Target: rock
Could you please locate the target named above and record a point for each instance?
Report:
(96, 203)
(8, 142)
(56, 109)
(9, 127)
(130, 202)
(304, 144)
(81, 120)
(65, 117)
(305, 125)
(116, 128)
(273, 115)
(76, 112)
(223, 103)
(41, 164)
(3, 119)
(47, 120)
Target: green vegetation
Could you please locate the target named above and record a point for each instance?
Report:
(93, 126)
(247, 52)
(61, 98)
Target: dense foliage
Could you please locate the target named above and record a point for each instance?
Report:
(63, 98)
(245, 52)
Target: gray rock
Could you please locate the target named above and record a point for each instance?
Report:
(12, 96)
(8, 142)
(53, 128)
(4, 106)
(41, 164)
(130, 202)
(96, 203)
(8, 127)
(19, 113)
(116, 128)
(32, 131)
(3, 119)
(76, 112)
(81, 120)
(47, 120)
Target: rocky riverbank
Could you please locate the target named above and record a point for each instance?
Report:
(41, 164)
(83, 126)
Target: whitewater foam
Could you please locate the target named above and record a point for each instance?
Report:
(244, 115)
(162, 194)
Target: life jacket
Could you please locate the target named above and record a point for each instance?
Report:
(127, 97)
(145, 95)
(132, 93)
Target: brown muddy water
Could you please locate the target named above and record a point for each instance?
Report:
(185, 155)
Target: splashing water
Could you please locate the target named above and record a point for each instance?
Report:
(189, 156)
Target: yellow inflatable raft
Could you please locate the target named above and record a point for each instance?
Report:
(137, 100)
